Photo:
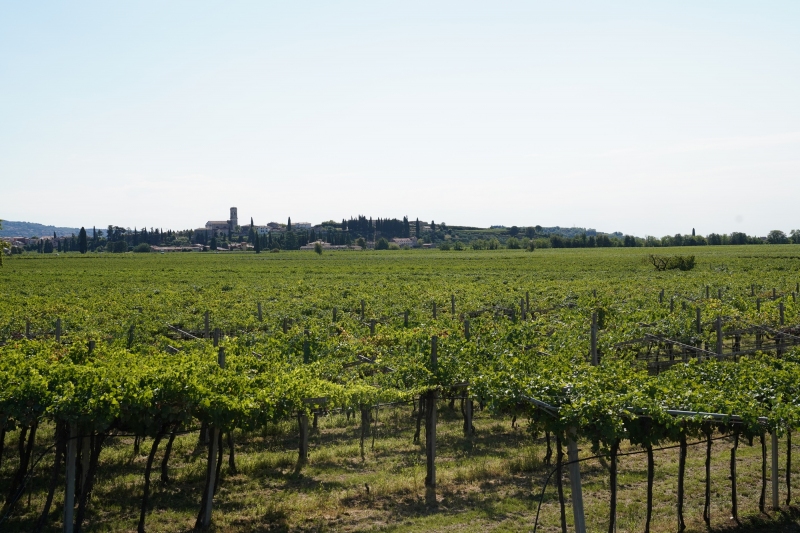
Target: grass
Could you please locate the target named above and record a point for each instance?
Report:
(491, 482)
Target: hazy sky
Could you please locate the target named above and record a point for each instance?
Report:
(640, 117)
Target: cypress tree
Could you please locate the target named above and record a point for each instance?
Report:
(289, 225)
(82, 244)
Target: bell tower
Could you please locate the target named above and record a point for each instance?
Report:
(234, 220)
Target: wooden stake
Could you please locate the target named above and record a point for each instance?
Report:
(206, 325)
(453, 304)
(216, 337)
(208, 497)
(708, 292)
(285, 326)
(335, 311)
(775, 502)
(430, 421)
(661, 297)
(672, 305)
(593, 346)
(522, 312)
(774, 293)
(302, 421)
(466, 329)
(698, 326)
(211, 472)
(405, 318)
(260, 316)
(28, 328)
(69, 491)
(372, 327)
(718, 326)
(362, 309)
(91, 347)
(719, 294)
(58, 330)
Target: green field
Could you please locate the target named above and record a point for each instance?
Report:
(529, 320)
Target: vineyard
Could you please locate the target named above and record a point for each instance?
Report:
(400, 391)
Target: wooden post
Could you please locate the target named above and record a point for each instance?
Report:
(58, 329)
(206, 325)
(372, 327)
(216, 337)
(774, 293)
(594, 293)
(430, 421)
(718, 326)
(285, 326)
(306, 347)
(335, 311)
(468, 406)
(211, 473)
(752, 289)
(208, 497)
(775, 503)
(575, 483)
(28, 328)
(91, 347)
(698, 325)
(453, 304)
(593, 345)
(69, 491)
(362, 310)
(719, 294)
(131, 335)
(466, 329)
(671, 304)
(661, 297)
(434, 310)
(260, 315)
(302, 421)
(405, 318)
(522, 312)
(708, 292)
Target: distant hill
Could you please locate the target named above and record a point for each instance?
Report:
(12, 228)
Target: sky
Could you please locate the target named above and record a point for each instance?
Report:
(649, 118)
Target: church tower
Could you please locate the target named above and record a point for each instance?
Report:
(234, 220)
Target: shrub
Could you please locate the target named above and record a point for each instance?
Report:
(394, 246)
(513, 244)
(275, 250)
(674, 262)
(318, 248)
(444, 245)
(142, 247)
(382, 244)
(458, 245)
